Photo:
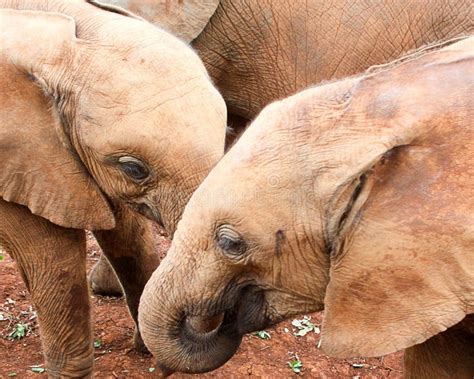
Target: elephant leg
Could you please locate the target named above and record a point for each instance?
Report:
(52, 263)
(130, 249)
(449, 354)
(103, 280)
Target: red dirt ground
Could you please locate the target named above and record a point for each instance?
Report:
(115, 358)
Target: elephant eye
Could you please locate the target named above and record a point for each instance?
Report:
(133, 168)
(231, 243)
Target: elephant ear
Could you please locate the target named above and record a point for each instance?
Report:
(114, 6)
(39, 168)
(185, 19)
(402, 267)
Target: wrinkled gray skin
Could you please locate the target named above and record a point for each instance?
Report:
(259, 51)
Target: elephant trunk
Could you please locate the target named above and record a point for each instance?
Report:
(182, 335)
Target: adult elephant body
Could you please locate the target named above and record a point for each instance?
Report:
(259, 51)
(90, 121)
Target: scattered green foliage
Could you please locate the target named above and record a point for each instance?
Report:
(19, 331)
(97, 343)
(12, 374)
(295, 364)
(151, 369)
(304, 326)
(38, 369)
(10, 301)
(263, 334)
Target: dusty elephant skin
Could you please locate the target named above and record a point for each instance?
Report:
(355, 197)
(260, 51)
(99, 132)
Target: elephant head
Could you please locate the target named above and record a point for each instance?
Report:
(134, 117)
(350, 197)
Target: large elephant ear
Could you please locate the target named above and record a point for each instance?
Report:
(402, 263)
(114, 6)
(406, 272)
(39, 168)
(185, 19)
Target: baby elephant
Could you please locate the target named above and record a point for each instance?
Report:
(355, 197)
(104, 124)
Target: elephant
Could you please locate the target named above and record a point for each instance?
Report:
(353, 197)
(103, 127)
(257, 52)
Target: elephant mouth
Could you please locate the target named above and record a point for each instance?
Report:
(149, 212)
(208, 341)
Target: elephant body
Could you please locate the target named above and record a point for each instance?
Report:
(260, 51)
(362, 206)
(86, 143)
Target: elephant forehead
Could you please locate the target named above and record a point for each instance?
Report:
(144, 58)
(300, 121)
(176, 122)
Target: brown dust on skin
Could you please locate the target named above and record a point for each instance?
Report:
(119, 116)
(374, 304)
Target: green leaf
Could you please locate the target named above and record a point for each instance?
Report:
(12, 374)
(151, 369)
(263, 334)
(296, 365)
(1, 259)
(297, 323)
(302, 332)
(37, 369)
(19, 332)
(304, 326)
(97, 343)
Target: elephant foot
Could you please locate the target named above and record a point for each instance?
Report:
(103, 280)
(74, 369)
(139, 344)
